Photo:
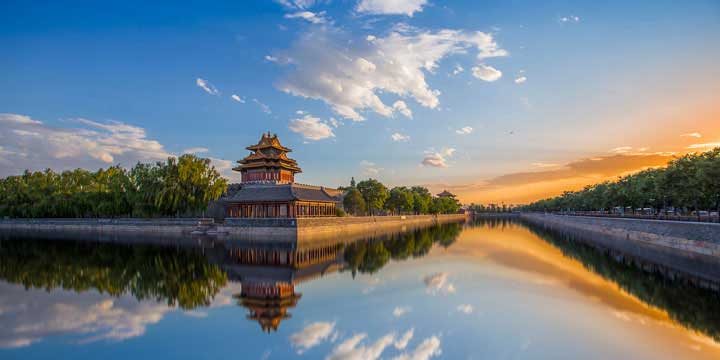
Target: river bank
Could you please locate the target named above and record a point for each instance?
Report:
(688, 248)
(260, 228)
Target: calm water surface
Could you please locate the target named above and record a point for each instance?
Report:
(488, 290)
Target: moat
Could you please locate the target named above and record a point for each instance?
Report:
(487, 289)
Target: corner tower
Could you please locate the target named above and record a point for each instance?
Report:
(268, 163)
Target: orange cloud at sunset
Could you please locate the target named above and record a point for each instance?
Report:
(524, 187)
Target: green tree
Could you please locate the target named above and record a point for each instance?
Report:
(178, 186)
(401, 200)
(444, 205)
(374, 193)
(354, 203)
(421, 199)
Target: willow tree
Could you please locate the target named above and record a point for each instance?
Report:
(189, 184)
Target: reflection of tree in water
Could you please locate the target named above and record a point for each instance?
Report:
(369, 256)
(177, 276)
(694, 307)
(495, 222)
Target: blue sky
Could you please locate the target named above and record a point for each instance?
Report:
(555, 83)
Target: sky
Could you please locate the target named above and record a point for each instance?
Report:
(495, 101)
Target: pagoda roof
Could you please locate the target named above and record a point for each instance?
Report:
(259, 155)
(262, 156)
(283, 192)
(269, 141)
(289, 165)
(446, 193)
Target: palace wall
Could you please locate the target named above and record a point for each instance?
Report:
(687, 250)
(251, 228)
(693, 237)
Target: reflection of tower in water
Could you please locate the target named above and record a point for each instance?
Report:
(269, 273)
(268, 302)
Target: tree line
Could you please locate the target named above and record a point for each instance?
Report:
(371, 197)
(179, 277)
(175, 187)
(369, 256)
(689, 183)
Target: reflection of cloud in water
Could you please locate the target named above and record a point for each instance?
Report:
(401, 310)
(29, 316)
(403, 341)
(536, 261)
(311, 335)
(359, 346)
(438, 282)
(428, 348)
(355, 347)
(28, 319)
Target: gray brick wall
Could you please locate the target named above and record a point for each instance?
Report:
(695, 237)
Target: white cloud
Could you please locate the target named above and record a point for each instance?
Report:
(311, 128)
(271, 58)
(465, 308)
(399, 137)
(401, 310)
(520, 80)
(458, 69)
(225, 168)
(315, 18)
(694, 134)
(464, 131)
(390, 7)
(545, 165)
(334, 122)
(20, 119)
(207, 86)
(21, 132)
(195, 150)
(370, 168)
(485, 72)
(427, 349)
(311, 335)
(353, 348)
(350, 78)
(570, 19)
(30, 144)
(704, 146)
(297, 4)
(371, 38)
(88, 145)
(238, 98)
(402, 107)
(266, 109)
(621, 149)
(437, 158)
(403, 341)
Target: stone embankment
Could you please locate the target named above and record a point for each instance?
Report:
(253, 228)
(686, 250)
(701, 238)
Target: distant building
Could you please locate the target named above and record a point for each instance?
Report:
(268, 188)
(446, 194)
